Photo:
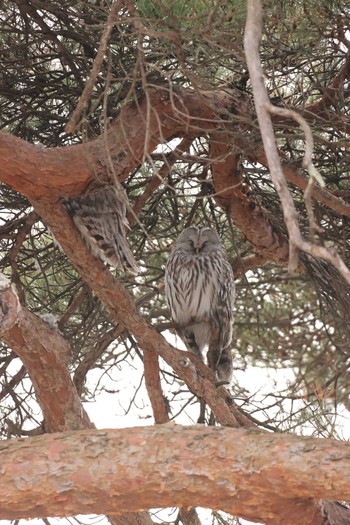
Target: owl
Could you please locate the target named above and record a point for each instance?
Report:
(199, 287)
(100, 217)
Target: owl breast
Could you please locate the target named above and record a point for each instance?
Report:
(193, 289)
(199, 287)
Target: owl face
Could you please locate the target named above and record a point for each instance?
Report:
(197, 241)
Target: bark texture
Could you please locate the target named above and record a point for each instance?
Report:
(48, 174)
(45, 355)
(238, 471)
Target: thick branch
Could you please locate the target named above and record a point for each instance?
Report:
(45, 354)
(259, 476)
(55, 172)
(50, 173)
(251, 219)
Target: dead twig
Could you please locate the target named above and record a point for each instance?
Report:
(96, 68)
(252, 37)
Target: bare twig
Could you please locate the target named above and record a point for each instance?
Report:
(309, 146)
(307, 163)
(313, 226)
(72, 123)
(156, 180)
(252, 37)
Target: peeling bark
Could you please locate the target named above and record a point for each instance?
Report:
(45, 354)
(121, 307)
(238, 471)
(49, 174)
(55, 172)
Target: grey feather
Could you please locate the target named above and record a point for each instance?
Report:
(100, 216)
(199, 287)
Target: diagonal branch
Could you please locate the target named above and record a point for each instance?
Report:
(294, 175)
(42, 349)
(56, 172)
(122, 309)
(157, 179)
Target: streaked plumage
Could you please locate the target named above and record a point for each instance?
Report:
(100, 216)
(199, 287)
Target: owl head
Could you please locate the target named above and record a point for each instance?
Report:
(197, 241)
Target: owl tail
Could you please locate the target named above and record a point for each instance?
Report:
(101, 219)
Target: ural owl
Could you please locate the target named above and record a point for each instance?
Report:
(199, 287)
(101, 219)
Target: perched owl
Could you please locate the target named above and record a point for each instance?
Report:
(199, 287)
(100, 216)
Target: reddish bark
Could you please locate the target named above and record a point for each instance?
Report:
(51, 173)
(154, 388)
(45, 354)
(238, 471)
(122, 310)
(251, 219)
